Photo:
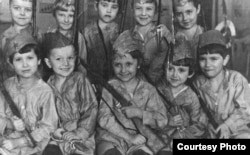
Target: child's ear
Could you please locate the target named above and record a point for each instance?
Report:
(225, 60)
(191, 75)
(96, 6)
(47, 62)
(8, 61)
(198, 9)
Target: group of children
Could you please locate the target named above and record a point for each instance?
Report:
(65, 110)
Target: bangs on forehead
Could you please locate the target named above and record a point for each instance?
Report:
(62, 6)
(112, 1)
(31, 1)
(145, 1)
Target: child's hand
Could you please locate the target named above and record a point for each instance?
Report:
(70, 136)
(70, 126)
(59, 133)
(224, 131)
(132, 111)
(176, 120)
(138, 139)
(9, 144)
(18, 124)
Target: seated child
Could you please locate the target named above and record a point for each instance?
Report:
(118, 134)
(153, 38)
(186, 118)
(33, 98)
(225, 92)
(75, 100)
(21, 14)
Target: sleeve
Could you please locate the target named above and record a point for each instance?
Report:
(241, 100)
(49, 118)
(82, 47)
(106, 118)
(88, 110)
(5, 114)
(155, 114)
(198, 119)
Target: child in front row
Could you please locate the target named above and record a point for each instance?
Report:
(75, 100)
(186, 118)
(118, 134)
(225, 92)
(33, 98)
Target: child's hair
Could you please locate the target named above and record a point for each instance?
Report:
(62, 6)
(146, 1)
(26, 49)
(10, 1)
(120, 3)
(182, 54)
(195, 2)
(214, 49)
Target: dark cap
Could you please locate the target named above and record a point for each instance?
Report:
(211, 37)
(182, 49)
(18, 42)
(125, 43)
(67, 2)
(54, 40)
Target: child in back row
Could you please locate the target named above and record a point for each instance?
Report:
(100, 36)
(33, 98)
(21, 13)
(225, 92)
(153, 38)
(75, 100)
(64, 14)
(186, 15)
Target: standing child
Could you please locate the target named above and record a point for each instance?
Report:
(186, 15)
(100, 36)
(64, 13)
(33, 98)
(21, 14)
(76, 103)
(154, 39)
(225, 92)
(186, 120)
(118, 134)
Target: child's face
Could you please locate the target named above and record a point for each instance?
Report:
(25, 64)
(125, 67)
(176, 75)
(62, 60)
(107, 10)
(212, 64)
(186, 15)
(144, 13)
(64, 19)
(21, 12)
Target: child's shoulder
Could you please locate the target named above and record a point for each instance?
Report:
(9, 32)
(235, 77)
(90, 27)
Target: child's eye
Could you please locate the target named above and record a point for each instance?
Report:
(104, 5)
(31, 57)
(71, 58)
(71, 16)
(181, 70)
(18, 59)
(16, 8)
(115, 7)
(28, 9)
(58, 59)
(178, 14)
(149, 9)
(138, 8)
(117, 65)
(214, 58)
(189, 12)
(129, 64)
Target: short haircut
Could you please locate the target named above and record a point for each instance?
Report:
(62, 6)
(214, 49)
(147, 1)
(26, 49)
(195, 2)
(120, 3)
(10, 1)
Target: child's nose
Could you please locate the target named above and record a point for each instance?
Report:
(22, 11)
(143, 11)
(66, 19)
(66, 62)
(109, 9)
